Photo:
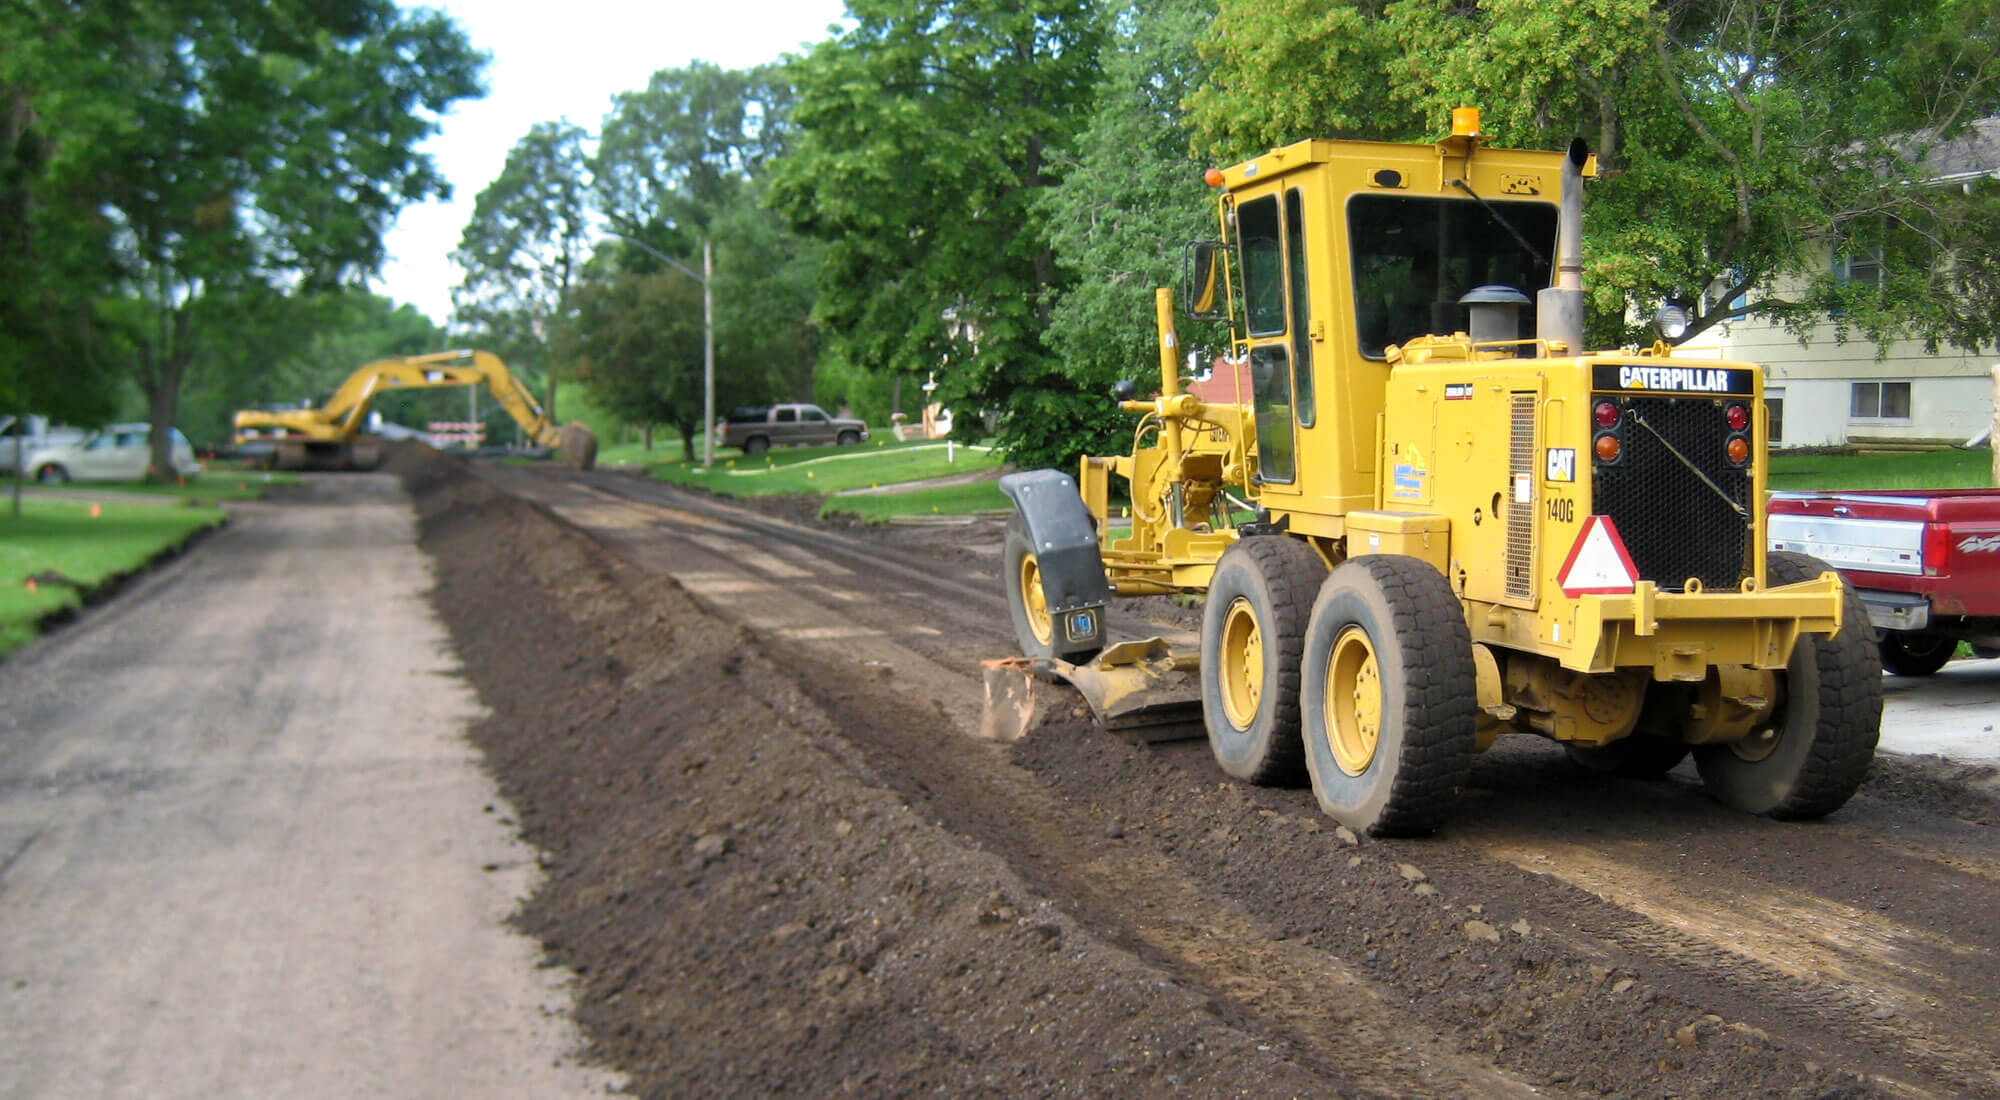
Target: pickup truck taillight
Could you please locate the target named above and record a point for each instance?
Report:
(1937, 545)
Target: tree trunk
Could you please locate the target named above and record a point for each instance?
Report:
(162, 370)
(646, 438)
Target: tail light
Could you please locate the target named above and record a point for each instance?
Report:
(1609, 445)
(1737, 447)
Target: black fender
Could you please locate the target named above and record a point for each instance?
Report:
(1064, 538)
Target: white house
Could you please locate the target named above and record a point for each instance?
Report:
(1824, 392)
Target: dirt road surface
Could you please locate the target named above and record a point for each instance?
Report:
(783, 862)
(245, 849)
(779, 861)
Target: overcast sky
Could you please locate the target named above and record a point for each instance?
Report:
(566, 60)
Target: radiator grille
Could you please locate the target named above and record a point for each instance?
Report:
(1676, 524)
(1521, 524)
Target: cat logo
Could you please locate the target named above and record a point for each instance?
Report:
(1561, 464)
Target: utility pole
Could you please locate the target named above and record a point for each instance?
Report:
(707, 353)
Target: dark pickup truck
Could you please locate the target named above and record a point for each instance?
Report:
(1926, 562)
(758, 428)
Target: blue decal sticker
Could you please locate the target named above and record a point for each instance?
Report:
(1082, 625)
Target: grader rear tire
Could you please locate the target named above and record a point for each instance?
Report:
(1814, 755)
(1389, 696)
(1252, 628)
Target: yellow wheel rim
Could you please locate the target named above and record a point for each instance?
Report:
(1242, 664)
(1034, 601)
(1760, 744)
(1353, 701)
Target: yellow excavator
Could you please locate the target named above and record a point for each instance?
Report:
(329, 437)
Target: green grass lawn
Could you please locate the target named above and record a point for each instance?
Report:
(64, 536)
(824, 470)
(1958, 468)
(210, 488)
(950, 500)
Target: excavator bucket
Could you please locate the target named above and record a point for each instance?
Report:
(578, 446)
(1141, 690)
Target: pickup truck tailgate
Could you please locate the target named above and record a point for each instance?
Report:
(1940, 544)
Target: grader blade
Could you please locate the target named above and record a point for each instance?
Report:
(1140, 690)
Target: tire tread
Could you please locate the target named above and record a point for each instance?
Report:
(1441, 693)
(1850, 702)
(1293, 571)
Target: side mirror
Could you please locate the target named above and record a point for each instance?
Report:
(1201, 280)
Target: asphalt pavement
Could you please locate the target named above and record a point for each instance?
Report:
(1954, 714)
(245, 847)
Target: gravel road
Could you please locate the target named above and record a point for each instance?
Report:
(245, 848)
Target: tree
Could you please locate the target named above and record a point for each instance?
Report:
(679, 164)
(679, 152)
(526, 241)
(1131, 197)
(1739, 139)
(921, 137)
(210, 150)
(635, 341)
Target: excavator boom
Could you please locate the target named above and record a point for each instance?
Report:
(329, 436)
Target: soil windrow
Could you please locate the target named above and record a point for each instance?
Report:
(777, 873)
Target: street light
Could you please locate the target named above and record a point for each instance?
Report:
(707, 333)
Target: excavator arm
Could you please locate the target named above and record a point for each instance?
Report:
(325, 437)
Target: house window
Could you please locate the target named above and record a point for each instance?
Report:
(1774, 400)
(1879, 401)
(1861, 267)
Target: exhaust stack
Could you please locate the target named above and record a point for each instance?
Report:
(1559, 309)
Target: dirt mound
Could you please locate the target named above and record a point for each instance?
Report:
(751, 910)
(776, 873)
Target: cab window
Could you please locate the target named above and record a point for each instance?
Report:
(1263, 266)
(1414, 257)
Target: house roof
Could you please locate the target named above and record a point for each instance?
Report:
(1977, 149)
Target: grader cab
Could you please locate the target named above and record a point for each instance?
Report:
(1434, 518)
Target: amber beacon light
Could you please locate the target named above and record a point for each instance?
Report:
(1465, 122)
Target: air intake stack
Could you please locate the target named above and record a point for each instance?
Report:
(1559, 309)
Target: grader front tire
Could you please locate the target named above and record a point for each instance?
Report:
(1809, 762)
(1252, 629)
(1027, 604)
(1389, 696)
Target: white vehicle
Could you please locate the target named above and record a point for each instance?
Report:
(31, 433)
(117, 452)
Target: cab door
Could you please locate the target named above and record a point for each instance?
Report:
(1271, 237)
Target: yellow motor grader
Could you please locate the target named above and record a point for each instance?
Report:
(329, 437)
(1423, 516)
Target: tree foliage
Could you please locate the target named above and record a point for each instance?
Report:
(1130, 199)
(1740, 139)
(528, 236)
(922, 136)
(680, 164)
(635, 342)
(175, 157)
(679, 152)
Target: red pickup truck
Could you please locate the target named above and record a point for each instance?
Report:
(1926, 561)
